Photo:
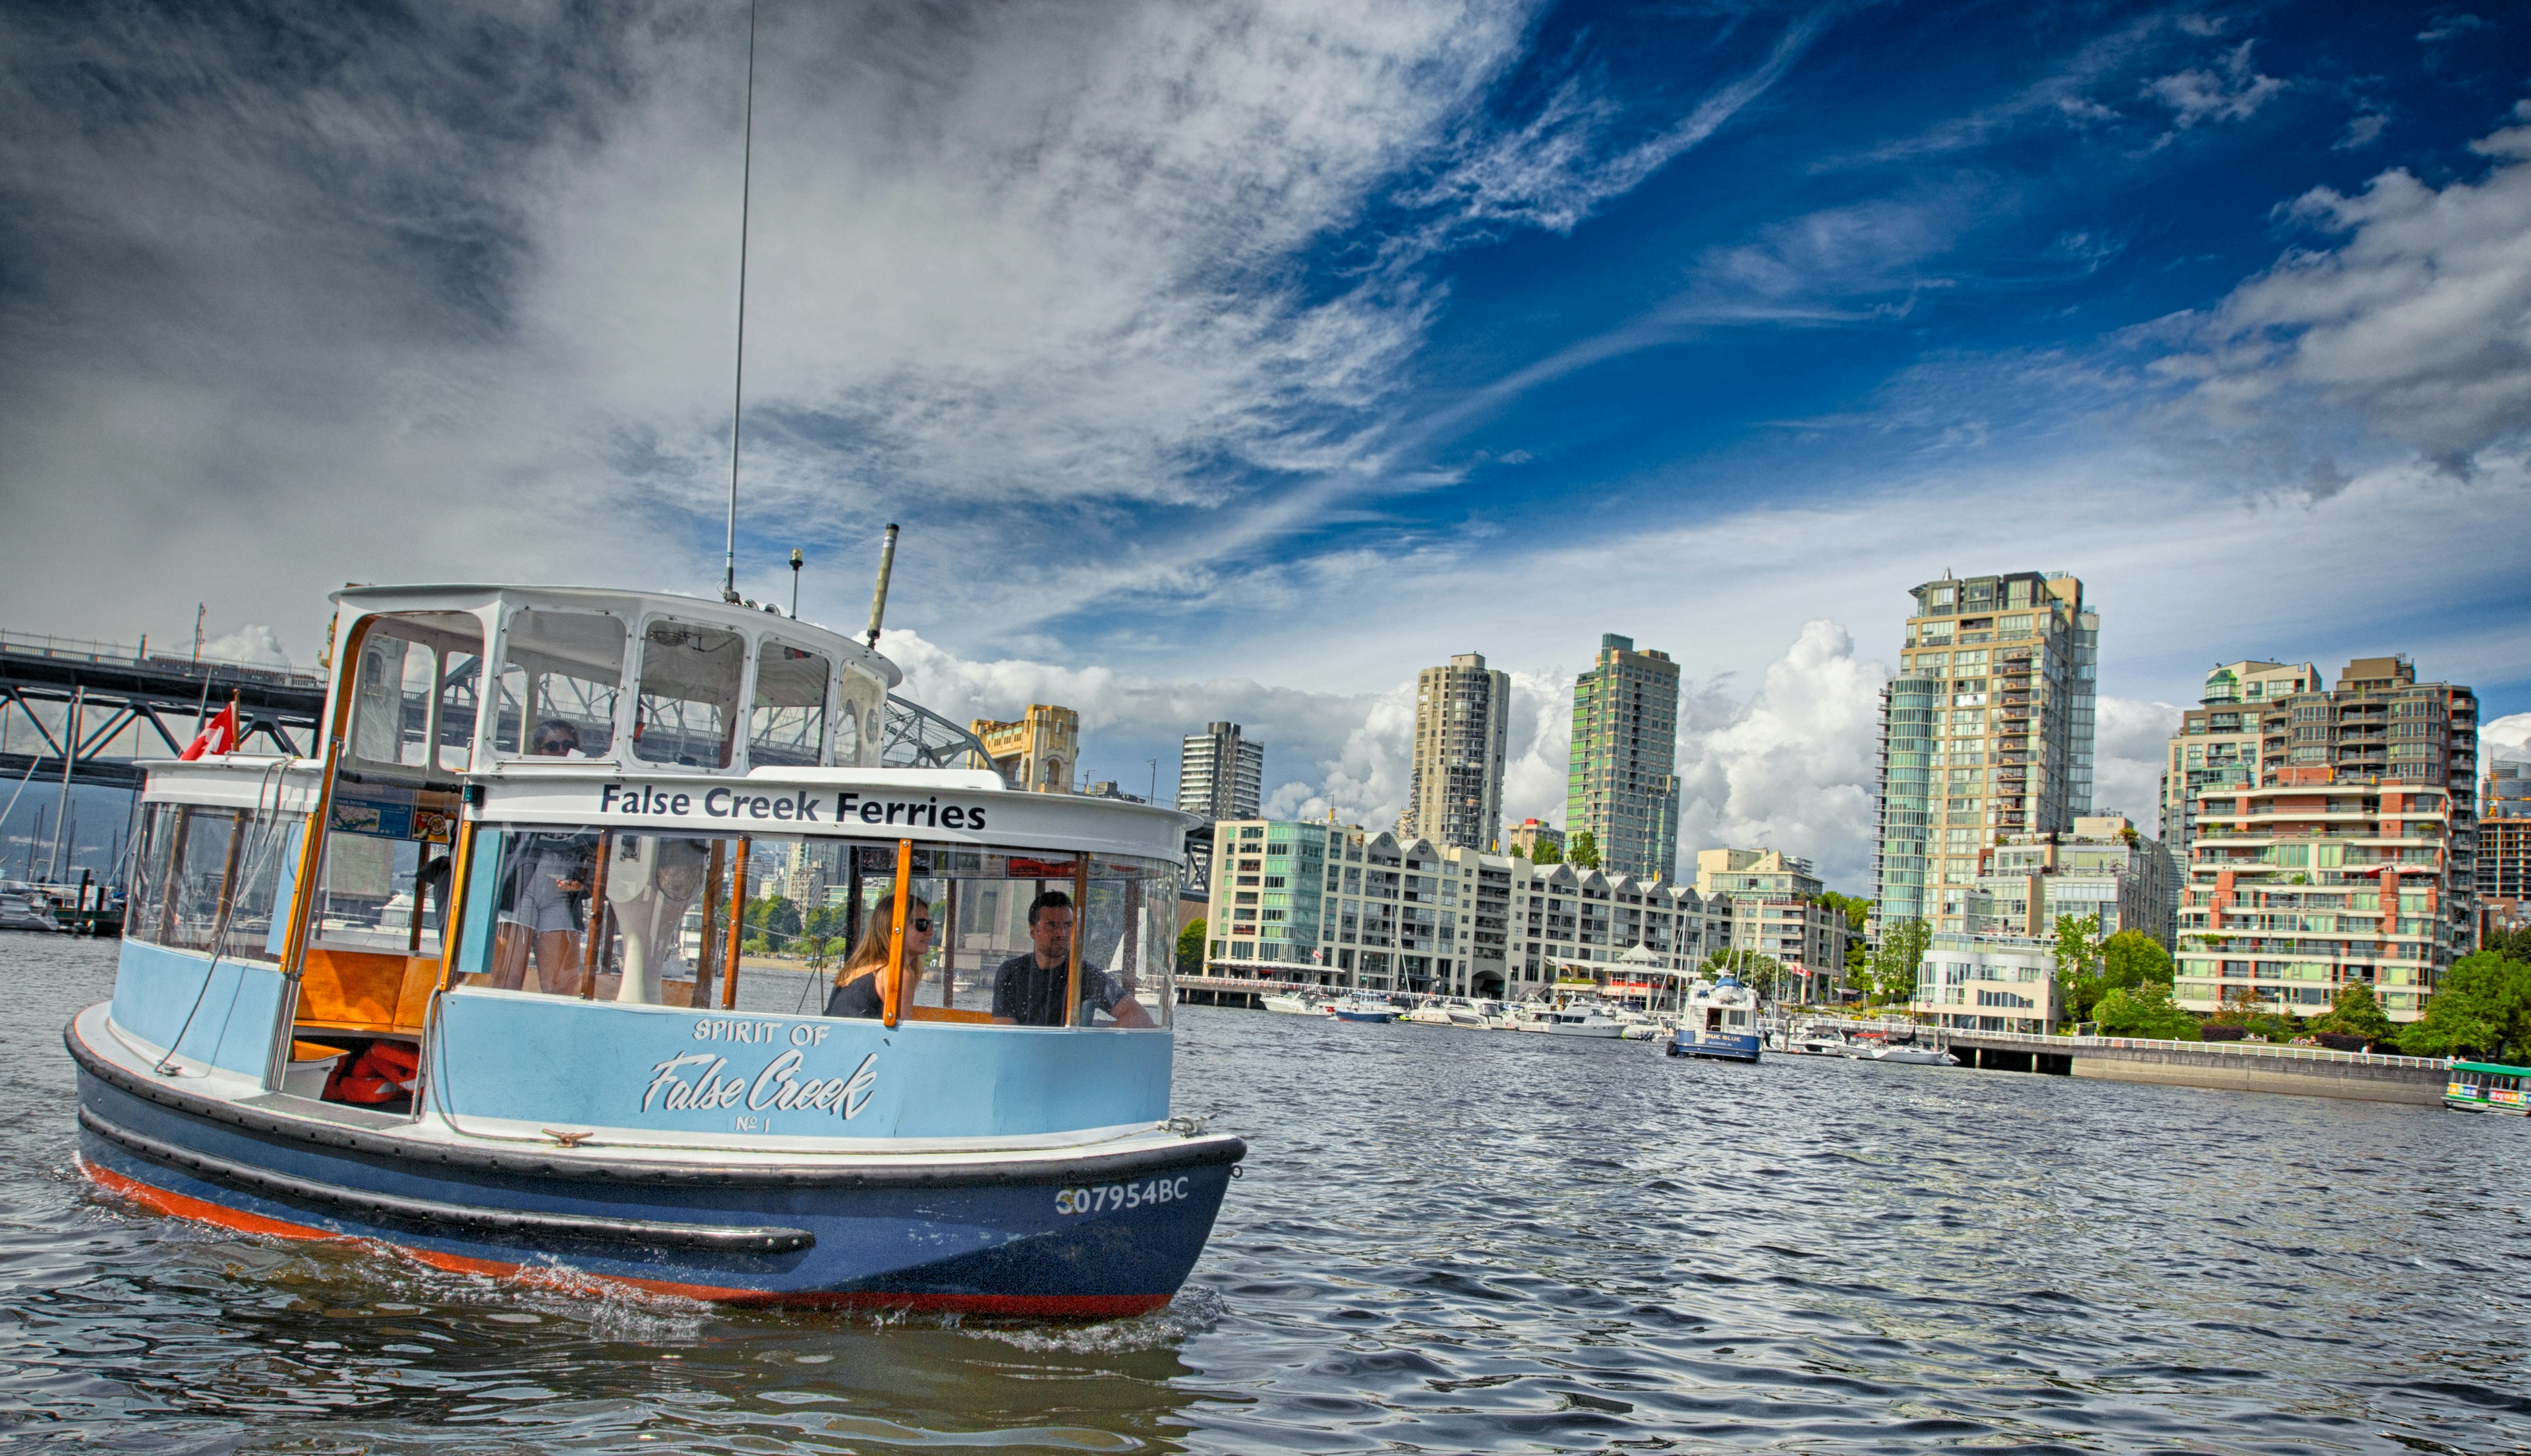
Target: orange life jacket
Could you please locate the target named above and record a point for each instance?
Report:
(384, 1072)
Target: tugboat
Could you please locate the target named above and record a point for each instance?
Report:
(468, 985)
(1720, 1021)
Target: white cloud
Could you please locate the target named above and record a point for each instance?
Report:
(2507, 736)
(2233, 93)
(2131, 740)
(253, 644)
(1793, 766)
(2419, 324)
(2363, 129)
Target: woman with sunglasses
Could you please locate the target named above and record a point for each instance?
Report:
(857, 987)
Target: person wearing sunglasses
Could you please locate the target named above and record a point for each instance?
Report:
(857, 988)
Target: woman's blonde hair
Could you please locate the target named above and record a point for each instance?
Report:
(871, 953)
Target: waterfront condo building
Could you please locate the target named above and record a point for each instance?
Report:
(1987, 983)
(2226, 740)
(1621, 786)
(1338, 906)
(2353, 857)
(1462, 723)
(1037, 752)
(2104, 867)
(1221, 775)
(1985, 731)
(1766, 902)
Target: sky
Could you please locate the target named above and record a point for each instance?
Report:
(1238, 361)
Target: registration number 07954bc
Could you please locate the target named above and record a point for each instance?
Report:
(1116, 1195)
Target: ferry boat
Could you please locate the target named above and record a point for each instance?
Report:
(1720, 1021)
(2488, 1087)
(436, 989)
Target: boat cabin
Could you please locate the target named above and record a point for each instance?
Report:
(550, 826)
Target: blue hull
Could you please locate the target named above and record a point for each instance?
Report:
(1381, 1017)
(984, 1245)
(1722, 1048)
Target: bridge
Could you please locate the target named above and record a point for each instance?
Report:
(101, 706)
(2236, 1066)
(105, 705)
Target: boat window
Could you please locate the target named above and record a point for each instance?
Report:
(788, 724)
(985, 961)
(383, 882)
(688, 709)
(657, 907)
(413, 690)
(461, 688)
(205, 859)
(144, 900)
(391, 697)
(848, 733)
(560, 671)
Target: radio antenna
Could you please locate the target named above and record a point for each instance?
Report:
(738, 385)
(878, 596)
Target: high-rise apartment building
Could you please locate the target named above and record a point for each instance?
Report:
(1985, 731)
(2105, 869)
(1524, 838)
(1621, 787)
(1221, 775)
(2223, 742)
(1462, 727)
(1036, 751)
(2352, 858)
(2505, 846)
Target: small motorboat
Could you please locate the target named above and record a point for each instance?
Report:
(1430, 1013)
(1294, 1003)
(1356, 1006)
(1909, 1056)
(1720, 1021)
(1581, 1021)
(24, 910)
(1473, 1017)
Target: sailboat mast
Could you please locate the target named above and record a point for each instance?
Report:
(738, 383)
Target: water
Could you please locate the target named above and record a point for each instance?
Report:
(1446, 1242)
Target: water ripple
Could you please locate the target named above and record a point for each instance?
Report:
(1446, 1242)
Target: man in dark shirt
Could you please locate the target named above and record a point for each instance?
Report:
(1030, 988)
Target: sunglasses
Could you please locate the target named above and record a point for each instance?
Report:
(923, 923)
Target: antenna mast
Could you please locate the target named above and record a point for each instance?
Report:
(738, 385)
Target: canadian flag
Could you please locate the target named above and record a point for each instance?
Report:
(218, 736)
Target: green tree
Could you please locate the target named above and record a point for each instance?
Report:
(1191, 948)
(2144, 1010)
(2355, 1013)
(2481, 1005)
(2078, 960)
(1895, 961)
(1546, 851)
(1583, 851)
(2132, 958)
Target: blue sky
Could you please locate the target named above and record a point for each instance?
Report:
(1238, 361)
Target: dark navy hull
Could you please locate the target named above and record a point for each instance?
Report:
(998, 1242)
(1716, 1045)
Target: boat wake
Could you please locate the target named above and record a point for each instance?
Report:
(1193, 1312)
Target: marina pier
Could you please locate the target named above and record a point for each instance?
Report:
(2301, 1071)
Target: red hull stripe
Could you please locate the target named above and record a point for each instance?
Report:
(1075, 1305)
